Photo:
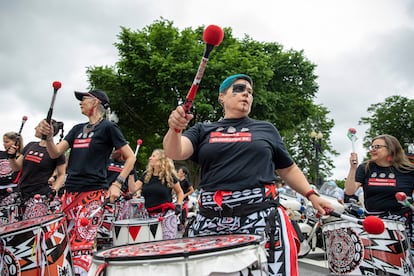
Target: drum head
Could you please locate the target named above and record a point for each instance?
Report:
(176, 247)
(136, 221)
(29, 223)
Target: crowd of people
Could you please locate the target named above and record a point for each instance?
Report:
(241, 160)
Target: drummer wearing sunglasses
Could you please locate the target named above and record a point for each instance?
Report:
(387, 172)
(91, 144)
(239, 158)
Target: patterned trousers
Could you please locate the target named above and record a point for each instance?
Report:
(282, 256)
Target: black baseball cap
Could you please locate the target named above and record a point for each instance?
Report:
(96, 93)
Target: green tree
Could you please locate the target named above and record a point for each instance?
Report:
(301, 147)
(157, 66)
(394, 116)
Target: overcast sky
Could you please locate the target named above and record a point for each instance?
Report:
(363, 50)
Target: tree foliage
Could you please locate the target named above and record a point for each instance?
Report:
(157, 66)
(394, 116)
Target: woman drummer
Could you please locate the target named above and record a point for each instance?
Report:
(91, 144)
(156, 186)
(37, 167)
(387, 172)
(238, 157)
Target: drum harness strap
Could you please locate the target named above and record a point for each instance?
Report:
(271, 200)
(270, 230)
(270, 196)
(239, 211)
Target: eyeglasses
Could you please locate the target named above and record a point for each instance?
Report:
(377, 147)
(240, 88)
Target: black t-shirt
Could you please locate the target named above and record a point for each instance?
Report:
(89, 155)
(114, 169)
(185, 186)
(236, 154)
(7, 175)
(380, 185)
(37, 168)
(156, 193)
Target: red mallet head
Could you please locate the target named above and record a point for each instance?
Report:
(24, 118)
(37, 196)
(57, 85)
(352, 130)
(373, 225)
(139, 142)
(213, 35)
(84, 221)
(400, 196)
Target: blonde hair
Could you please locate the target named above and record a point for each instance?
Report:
(398, 158)
(167, 171)
(18, 139)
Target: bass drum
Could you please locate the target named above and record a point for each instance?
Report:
(38, 246)
(351, 250)
(209, 255)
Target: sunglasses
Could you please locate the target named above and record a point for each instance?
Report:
(377, 147)
(240, 88)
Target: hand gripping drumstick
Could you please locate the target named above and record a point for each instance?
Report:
(352, 136)
(372, 224)
(213, 35)
(85, 220)
(56, 86)
(401, 197)
(24, 119)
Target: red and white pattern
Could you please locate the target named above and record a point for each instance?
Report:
(37, 246)
(351, 250)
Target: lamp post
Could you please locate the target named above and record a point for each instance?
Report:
(317, 146)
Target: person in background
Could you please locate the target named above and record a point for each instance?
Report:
(187, 190)
(185, 184)
(9, 196)
(91, 144)
(330, 188)
(36, 168)
(115, 166)
(238, 157)
(156, 185)
(8, 177)
(387, 172)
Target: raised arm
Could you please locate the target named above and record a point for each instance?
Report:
(176, 146)
(351, 186)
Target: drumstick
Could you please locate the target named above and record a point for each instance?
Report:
(85, 220)
(352, 136)
(56, 86)
(24, 119)
(139, 143)
(372, 224)
(402, 198)
(212, 36)
(165, 216)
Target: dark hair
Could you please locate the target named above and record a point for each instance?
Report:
(184, 169)
(57, 126)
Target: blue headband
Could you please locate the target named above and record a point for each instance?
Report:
(230, 80)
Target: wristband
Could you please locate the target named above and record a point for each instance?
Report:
(11, 156)
(311, 192)
(120, 180)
